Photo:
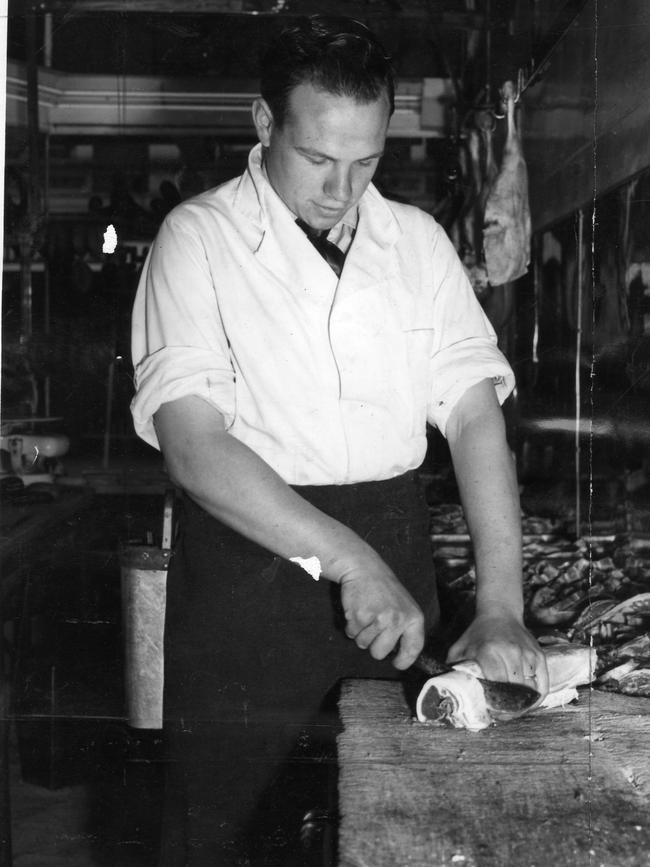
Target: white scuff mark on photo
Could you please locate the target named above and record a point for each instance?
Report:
(110, 240)
(311, 565)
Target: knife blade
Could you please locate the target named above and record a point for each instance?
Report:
(504, 700)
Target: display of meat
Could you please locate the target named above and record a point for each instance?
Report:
(506, 225)
(593, 591)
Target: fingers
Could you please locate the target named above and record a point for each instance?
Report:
(411, 644)
(382, 635)
(516, 659)
(537, 675)
(456, 652)
(366, 636)
(381, 614)
(527, 666)
(530, 670)
(517, 665)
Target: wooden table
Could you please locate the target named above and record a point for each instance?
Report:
(559, 788)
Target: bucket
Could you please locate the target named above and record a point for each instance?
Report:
(144, 586)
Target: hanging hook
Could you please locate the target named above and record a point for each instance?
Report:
(508, 90)
(521, 85)
(519, 88)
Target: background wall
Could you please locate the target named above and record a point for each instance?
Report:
(587, 116)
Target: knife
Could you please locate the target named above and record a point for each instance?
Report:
(502, 698)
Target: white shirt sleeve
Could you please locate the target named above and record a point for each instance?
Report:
(465, 344)
(178, 343)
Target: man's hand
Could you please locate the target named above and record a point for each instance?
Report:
(504, 649)
(380, 612)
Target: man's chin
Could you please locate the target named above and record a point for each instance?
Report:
(322, 219)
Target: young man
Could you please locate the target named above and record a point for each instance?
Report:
(290, 402)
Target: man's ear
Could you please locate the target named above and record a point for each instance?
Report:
(263, 120)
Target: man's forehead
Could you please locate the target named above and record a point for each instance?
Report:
(306, 90)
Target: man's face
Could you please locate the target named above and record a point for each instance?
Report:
(324, 156)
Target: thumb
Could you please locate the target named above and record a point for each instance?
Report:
(410, 647)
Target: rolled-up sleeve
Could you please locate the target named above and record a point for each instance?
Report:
(465, 348)
(178, 343)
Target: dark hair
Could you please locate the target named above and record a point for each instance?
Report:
(334, 53)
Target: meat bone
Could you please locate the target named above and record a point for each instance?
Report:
(504, 700)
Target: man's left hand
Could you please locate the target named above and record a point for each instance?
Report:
(504, 649)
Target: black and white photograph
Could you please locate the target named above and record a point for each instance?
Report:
(325, 433)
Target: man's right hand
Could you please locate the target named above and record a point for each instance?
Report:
(380, 613)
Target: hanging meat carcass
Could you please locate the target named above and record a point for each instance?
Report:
(469, 220)
(485, 122)
(506, 232)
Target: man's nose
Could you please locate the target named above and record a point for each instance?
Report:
(338, 185)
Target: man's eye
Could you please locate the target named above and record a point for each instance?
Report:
(366, 164)
(316, 161)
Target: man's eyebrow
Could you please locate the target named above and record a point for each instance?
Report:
(312, 152)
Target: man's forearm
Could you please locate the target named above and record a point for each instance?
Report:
(487, 482)
(232, 483)
(497, 637)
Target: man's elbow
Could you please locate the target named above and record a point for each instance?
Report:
(194, 443)
(478, 410)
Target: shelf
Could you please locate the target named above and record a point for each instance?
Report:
(16, 267)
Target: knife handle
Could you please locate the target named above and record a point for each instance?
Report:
(431, 666)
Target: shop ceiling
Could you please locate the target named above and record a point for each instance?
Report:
(135, 65)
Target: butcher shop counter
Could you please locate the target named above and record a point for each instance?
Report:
(567, 786)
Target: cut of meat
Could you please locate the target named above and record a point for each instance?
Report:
(457, 698)
(506, 235)
(469, 220)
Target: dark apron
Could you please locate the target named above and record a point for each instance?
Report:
(254, 651)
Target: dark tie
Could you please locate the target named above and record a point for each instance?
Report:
(329, 251)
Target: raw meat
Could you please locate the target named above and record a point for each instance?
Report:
(506, 235)
(457, 698)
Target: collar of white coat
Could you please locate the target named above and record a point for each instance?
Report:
(377, 232)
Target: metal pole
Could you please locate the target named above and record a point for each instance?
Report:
(581, 220)
(109, 413)
(47, 39)
(27, 231)
(47, 61)
(3, 111)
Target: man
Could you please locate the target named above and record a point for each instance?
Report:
(290, 404)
